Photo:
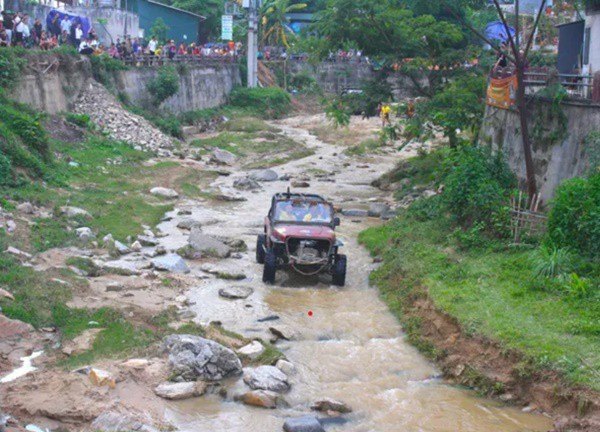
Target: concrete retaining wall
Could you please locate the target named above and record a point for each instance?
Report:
(53, 82)
(333, 77)
(200, 87)
(556, 158)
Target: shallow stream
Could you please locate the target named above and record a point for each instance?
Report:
(352, 348)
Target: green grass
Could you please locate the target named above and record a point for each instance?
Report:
(367, 146)
(251, 138)
(491, 292)
(269, 356)
(249, 125)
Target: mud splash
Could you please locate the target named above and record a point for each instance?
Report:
(351, 348)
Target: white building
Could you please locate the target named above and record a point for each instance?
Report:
(591, 41)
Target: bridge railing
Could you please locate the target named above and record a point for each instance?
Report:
(150, 60)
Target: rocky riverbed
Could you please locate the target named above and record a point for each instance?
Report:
(343, 367)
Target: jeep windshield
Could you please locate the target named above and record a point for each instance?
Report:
(300, 211)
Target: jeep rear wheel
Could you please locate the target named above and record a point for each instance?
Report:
(270, 267)
(339, 271)
(261, 241)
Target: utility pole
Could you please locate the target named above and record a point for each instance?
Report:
(252, 52)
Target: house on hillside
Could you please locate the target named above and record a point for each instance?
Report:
(183, 26)
(299, 20)
(570, 46)
(591, 40)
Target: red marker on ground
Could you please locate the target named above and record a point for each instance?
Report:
(310, 313)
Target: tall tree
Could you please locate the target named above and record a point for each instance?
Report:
(518, 58)
(275, 26)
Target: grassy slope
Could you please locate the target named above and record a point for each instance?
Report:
(491, 291)
(111, 181)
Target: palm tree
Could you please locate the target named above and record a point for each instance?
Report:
(275, 24)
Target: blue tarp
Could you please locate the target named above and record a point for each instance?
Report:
(495, 31)
(75, 19)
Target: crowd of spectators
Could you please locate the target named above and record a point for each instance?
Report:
(17, 29)
(351, 55)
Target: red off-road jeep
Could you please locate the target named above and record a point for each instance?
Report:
(299, 233)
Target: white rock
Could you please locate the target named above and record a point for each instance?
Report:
(253, 350)
(74, 212)
(108, 238)
(178, 391)
(136, 246)
(121, 248)
(85, 233)
(18, 253)
(286, 367)
(164, 192)
(223, 157)
(171, 263)
(11, 226)
(266, 378)
(136, 363)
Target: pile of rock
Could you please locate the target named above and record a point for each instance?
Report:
(108, 114)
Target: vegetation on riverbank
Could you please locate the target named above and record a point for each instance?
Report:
(540, 298)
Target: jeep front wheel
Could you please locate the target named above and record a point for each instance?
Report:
(339, 271)
(270, 267)
(261, 241)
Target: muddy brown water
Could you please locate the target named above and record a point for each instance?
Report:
(352, 348)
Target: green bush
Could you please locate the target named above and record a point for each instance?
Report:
(164, 85)
(11, 65)
(169, 124)
(103, 65)
(550, 261)
(268, 102)
(82, 120)
(337, 112)
(574, 219)
(23, 140)
(478, 184)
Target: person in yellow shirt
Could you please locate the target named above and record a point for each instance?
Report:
(385, 115)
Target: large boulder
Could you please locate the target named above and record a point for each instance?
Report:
(179, 391)
(171, 263)
(355, 212)
(303, 424)
(208, 245)
(266, 378)
(246, 184)
(112, 421)
(223, 157)
(194, 357)
(267, 175)
(378, 209)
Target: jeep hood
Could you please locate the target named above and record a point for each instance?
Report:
(319, 232)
